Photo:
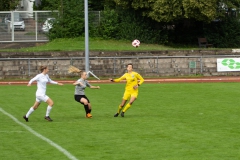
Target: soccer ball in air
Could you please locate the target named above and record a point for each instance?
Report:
(136, 43)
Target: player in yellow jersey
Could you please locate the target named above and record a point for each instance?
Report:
(134, 80)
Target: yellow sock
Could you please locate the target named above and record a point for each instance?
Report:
(126, 107)
(119, 109)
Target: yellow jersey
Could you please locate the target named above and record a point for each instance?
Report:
(132, 79)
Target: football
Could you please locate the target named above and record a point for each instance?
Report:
(136, 43)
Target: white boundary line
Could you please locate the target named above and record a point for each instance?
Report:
(11, 131)
(65, 152)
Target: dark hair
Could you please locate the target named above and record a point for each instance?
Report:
(41, 68)
(130, 64)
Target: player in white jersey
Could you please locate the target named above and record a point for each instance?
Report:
(79, 94)
(42, 80)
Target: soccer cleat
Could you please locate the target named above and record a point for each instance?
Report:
(26, 119)
(122, 114)
(116, 115)
(48, 118)
(88, 115)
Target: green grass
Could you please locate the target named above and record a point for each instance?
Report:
(186, 121)
(98, 44)
(95, 44)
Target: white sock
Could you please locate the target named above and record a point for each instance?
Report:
(48, 111)
(29, 112)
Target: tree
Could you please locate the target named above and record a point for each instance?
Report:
(55, 4)
(70, 22)
(8, 5)
(96, 5)
(48, 5)
(172, 10)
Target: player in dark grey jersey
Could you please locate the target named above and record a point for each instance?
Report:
(79, 94)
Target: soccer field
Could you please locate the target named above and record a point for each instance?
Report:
(172, 121)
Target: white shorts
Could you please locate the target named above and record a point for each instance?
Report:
(42, 98)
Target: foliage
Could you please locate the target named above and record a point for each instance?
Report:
(201, 10)
(134, 26)
(8, 5)
(186, 32)
(129, 25)
(223, 34)
(48, 5)
(70, 22)
(159, 22)
(109, 26)
(96, 5)
(169, 11)
(183, 20)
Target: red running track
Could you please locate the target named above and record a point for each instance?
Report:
(160, 80)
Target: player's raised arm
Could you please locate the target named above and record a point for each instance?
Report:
(95, 87)
(77, 83)
(53, 82)
(118, 79)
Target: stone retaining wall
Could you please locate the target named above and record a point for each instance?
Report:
(113, 64)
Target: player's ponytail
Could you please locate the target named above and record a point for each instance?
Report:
(73, 69)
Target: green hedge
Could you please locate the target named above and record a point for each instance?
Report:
(223, 34)
(128, 25)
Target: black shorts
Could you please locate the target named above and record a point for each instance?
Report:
(78, 98)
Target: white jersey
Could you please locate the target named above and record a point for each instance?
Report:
(42, 81)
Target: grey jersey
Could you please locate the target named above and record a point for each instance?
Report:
(79, 89)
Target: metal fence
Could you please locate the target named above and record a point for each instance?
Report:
(23, 26)
(95, 17)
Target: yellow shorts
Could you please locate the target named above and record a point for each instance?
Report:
(128, 94)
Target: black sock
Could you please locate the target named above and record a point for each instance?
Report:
(86, 109)
(90, 110)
